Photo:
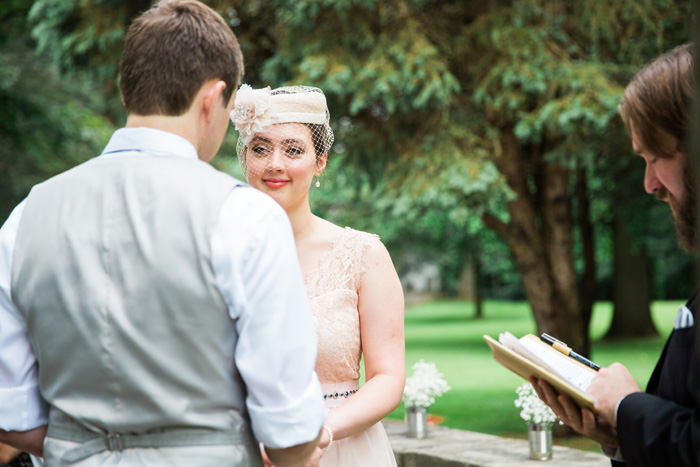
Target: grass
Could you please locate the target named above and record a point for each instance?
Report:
(482, 394)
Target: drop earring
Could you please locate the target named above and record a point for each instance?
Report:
(318, 183)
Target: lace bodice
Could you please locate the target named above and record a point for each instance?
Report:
(333, 289)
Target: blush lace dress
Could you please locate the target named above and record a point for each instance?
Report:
(333, 291)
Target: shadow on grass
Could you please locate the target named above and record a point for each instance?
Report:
(467, 346)
(455, 319)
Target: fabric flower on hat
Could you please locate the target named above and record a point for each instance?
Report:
(249, 109)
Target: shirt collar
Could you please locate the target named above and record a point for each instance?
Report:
(150, 142)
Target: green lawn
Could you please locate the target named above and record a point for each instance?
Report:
(482, 395)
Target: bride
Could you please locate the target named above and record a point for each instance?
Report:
(355, 294)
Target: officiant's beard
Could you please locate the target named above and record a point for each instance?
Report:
(684, 213)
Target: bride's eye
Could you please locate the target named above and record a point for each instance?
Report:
(260, 150)
(294, 151)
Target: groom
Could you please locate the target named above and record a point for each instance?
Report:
(155, 304)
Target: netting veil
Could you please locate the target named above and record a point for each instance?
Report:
(280, 127)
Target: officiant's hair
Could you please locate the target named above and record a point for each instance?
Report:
(170, 51)
(659, 98)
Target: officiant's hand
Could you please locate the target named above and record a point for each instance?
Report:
(609, 387)
(581, 420)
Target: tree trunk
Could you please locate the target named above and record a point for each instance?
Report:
(469, 284)
(631, 288)
(540, 236)
(587, 288)
(478, 297)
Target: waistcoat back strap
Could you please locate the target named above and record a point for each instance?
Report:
(94, 443)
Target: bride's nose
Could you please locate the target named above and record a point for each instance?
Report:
(275, 162)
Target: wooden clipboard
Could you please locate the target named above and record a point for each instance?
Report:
(525, 368)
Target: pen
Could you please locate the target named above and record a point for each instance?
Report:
(563, 348)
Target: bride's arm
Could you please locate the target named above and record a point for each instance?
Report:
(381, 310)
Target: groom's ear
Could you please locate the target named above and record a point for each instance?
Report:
(211, 96)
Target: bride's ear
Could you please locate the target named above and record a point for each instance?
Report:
(321, 164)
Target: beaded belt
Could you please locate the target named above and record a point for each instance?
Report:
(335, 394)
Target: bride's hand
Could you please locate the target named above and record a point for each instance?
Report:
(315, 458)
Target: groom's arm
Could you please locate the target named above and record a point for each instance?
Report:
(258, 273)
(22, 410)
(30, 441)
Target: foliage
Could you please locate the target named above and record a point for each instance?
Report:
(47, 123)
(428, 99)
(421, 93)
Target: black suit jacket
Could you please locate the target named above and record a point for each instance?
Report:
(662, 426)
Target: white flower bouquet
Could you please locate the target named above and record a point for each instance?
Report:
(424, 385)
(533, 409)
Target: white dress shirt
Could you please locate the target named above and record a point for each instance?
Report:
(257, 270)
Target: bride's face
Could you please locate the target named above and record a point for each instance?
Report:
(282, 163)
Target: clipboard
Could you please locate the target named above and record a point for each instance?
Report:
(525, 368)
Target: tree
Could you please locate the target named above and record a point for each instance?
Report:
(499, 109)
(47, 123)
(503, 104)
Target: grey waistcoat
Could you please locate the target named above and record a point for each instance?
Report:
(112, 272)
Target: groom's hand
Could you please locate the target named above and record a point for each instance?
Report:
(581, 420)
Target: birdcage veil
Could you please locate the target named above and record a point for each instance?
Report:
(258, 116)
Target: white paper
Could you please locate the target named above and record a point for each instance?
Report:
(551, 359)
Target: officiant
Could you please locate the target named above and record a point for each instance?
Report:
(659, 427)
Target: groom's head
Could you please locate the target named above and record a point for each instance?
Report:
(170, 52)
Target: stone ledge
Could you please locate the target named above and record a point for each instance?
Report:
(447, 447)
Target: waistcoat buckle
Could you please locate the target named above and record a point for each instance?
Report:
(113, 441)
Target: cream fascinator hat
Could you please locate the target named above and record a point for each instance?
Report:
(256, 110)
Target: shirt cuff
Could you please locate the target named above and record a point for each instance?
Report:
(612, 453)
(299, 423)
(22, 408)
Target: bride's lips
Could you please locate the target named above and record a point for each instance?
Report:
(275, 182)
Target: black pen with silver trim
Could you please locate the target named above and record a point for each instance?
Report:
(566, 350)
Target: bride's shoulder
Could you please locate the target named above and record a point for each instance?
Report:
(348, 237)
(366, 238)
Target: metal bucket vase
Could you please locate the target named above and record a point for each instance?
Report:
(540, 436)
(417, 418)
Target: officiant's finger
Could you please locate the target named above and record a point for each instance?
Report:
(533, 382)
(573, 413)
(588, 420)
(598, 429)
(548, 395)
